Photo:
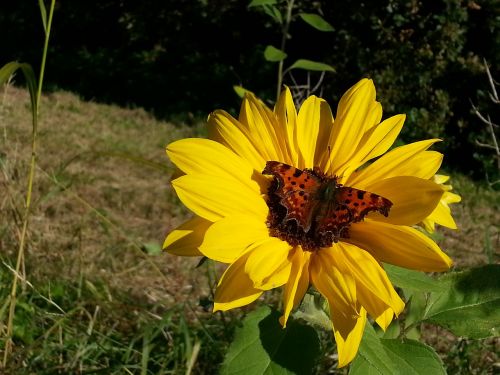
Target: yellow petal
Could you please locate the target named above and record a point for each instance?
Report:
(204, 156)
(297, 284)
(451, 197)
(428, 225)
(374, 116)
(442, 216)
(350, 123)
(399, 245)
(441, 179)
(331, 281)
(413, 199)
(287, 119)
(314, 118)
(374, 143)
(374, 289)
(186, 238)
(380, 137)
(214, 198)
(265, 134)
(268, 265)
(235, 288)
(231, 236)
(349, 335)
(397, 162)
(223, 128)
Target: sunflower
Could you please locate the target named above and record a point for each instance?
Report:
(238, 219)
(442, 213)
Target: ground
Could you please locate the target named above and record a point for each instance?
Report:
(97, 291)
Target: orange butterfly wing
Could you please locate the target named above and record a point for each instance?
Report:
(296, 190)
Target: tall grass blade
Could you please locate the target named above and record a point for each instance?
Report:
(10, 68)
(35, 102)
(43, 13)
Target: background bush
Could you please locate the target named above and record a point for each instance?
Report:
(181, 58)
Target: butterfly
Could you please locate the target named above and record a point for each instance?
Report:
(311, 205)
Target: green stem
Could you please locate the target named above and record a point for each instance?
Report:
(22, 242)
(284, 35)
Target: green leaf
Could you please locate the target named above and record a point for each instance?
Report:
(372, 357)
(261, 346)
(274, 54)
(393, 356)
(469, 305)
(274, 13)
(256, 3)
(311, 65)
(416, 305)
(413, 357)
(413, 280)
(43, 13)
(10, 68)
(316, 21)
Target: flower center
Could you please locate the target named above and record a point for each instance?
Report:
(310, 209)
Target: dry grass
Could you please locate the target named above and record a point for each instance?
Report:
(94, 206)
(102, 199)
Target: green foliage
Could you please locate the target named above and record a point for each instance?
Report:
(469, 304)
(412, 280)
(262, 346)
(316, 21)
(393, 356)
(274, 54)
(8, 70)
(311, 65)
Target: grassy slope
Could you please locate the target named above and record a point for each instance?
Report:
(94, 298)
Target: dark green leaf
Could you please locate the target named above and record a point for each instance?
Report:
(274, 13)
(392, 356)
(311, 65)
(261, 346)
(274, 54)
(256, 3)
(316, 21)
(413, 280)
(413, 357)
(372, 358)
(469, 305)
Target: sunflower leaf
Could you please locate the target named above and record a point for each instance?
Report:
(316, 21)
(311, 65)
(413, 280)
(256, 3)
(274, 54)
(392, 356)
(469, 304)
(262, 346)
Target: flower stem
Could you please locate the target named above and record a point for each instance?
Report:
(20, 253)
(284, 35)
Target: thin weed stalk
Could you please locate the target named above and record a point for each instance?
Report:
(22, 241)
(284, 37)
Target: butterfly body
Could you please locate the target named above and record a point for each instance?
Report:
(312, 209)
